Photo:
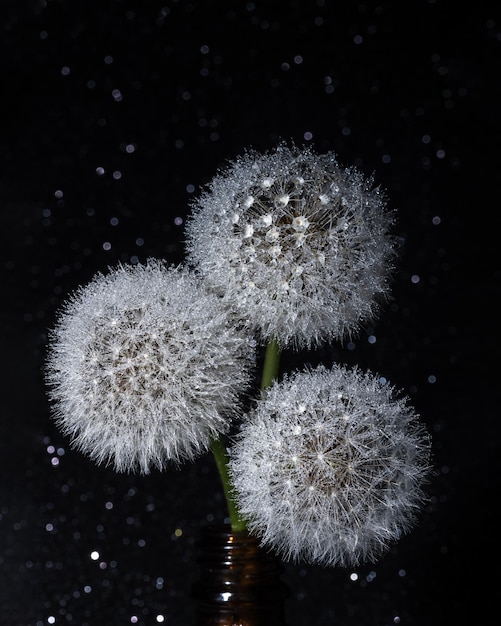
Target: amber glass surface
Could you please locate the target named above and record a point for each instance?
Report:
(239, 583)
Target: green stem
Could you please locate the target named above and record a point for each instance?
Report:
(271, 364)
(221, 456)
(270, 372)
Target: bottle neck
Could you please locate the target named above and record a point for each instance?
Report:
(239, 582)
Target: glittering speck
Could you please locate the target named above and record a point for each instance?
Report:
(370, 576)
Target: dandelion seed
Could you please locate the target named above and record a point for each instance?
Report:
(283, 200)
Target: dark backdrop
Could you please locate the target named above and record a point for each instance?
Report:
(113, 115)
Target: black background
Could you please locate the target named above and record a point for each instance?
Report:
(159, 95)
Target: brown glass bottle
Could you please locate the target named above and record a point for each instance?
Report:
(239, 583)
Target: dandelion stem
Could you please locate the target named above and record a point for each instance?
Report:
(221, 457)
(270, 372)
(271, 364)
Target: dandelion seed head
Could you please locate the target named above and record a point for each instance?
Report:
(143, 369)
(292, 208)
(353, 486)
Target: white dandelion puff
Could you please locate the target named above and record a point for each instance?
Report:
(306, 212)
(329, 467)
(143, 367)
